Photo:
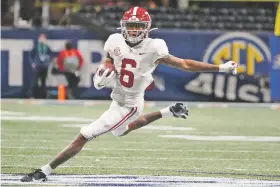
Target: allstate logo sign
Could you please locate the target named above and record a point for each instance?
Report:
(244, 48)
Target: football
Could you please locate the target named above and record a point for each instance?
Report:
(105, 66)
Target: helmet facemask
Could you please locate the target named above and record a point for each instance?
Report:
(135, 31)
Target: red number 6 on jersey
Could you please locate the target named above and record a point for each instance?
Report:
(129, 74)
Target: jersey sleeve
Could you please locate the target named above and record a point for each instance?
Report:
(161, 49)
(111, 43)
(107, 44)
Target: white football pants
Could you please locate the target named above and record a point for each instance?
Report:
(115, 119)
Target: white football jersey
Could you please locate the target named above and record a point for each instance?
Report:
(134, 66)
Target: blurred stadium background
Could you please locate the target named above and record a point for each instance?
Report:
(233, 130)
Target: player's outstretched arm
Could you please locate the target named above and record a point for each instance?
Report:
(196, 66)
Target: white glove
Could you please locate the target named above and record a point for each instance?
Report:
(101, 81)
(229, 67)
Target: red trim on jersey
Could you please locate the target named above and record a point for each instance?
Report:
(131, 113)
(151, 86)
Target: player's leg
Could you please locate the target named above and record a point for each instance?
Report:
(142, 121)
(176, 110)
(109, 120)
(70, 151)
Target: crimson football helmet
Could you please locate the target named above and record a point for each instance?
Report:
(135, 24)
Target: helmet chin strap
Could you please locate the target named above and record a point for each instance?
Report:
(132, 39)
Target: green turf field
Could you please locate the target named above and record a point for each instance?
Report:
(32, 143)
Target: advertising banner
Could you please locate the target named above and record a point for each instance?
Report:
(251, 51)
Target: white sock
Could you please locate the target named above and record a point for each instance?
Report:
(165, 112)
(46, 169)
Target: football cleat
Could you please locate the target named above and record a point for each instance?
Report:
(36, 176)
(179, 110)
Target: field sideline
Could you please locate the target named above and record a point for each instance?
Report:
(220, 143)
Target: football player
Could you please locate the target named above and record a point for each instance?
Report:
(134, 56)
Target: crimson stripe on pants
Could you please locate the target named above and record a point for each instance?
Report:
(126, 117)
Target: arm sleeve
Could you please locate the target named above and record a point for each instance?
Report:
(107, 44)
(162, 49)
(111, 43)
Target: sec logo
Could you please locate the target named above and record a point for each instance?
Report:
(244, 48)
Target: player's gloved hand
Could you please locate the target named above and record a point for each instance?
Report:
(102, 79)
(229, 67)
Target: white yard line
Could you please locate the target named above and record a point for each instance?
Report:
(144, 158)
(226, 138)
(11, 113)
(145, 167)
(141, 180)
(45, 118)
(244, 144)
(37, 132)
(23, 135)
(33, 140)
(147, 150)
(40, 148)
